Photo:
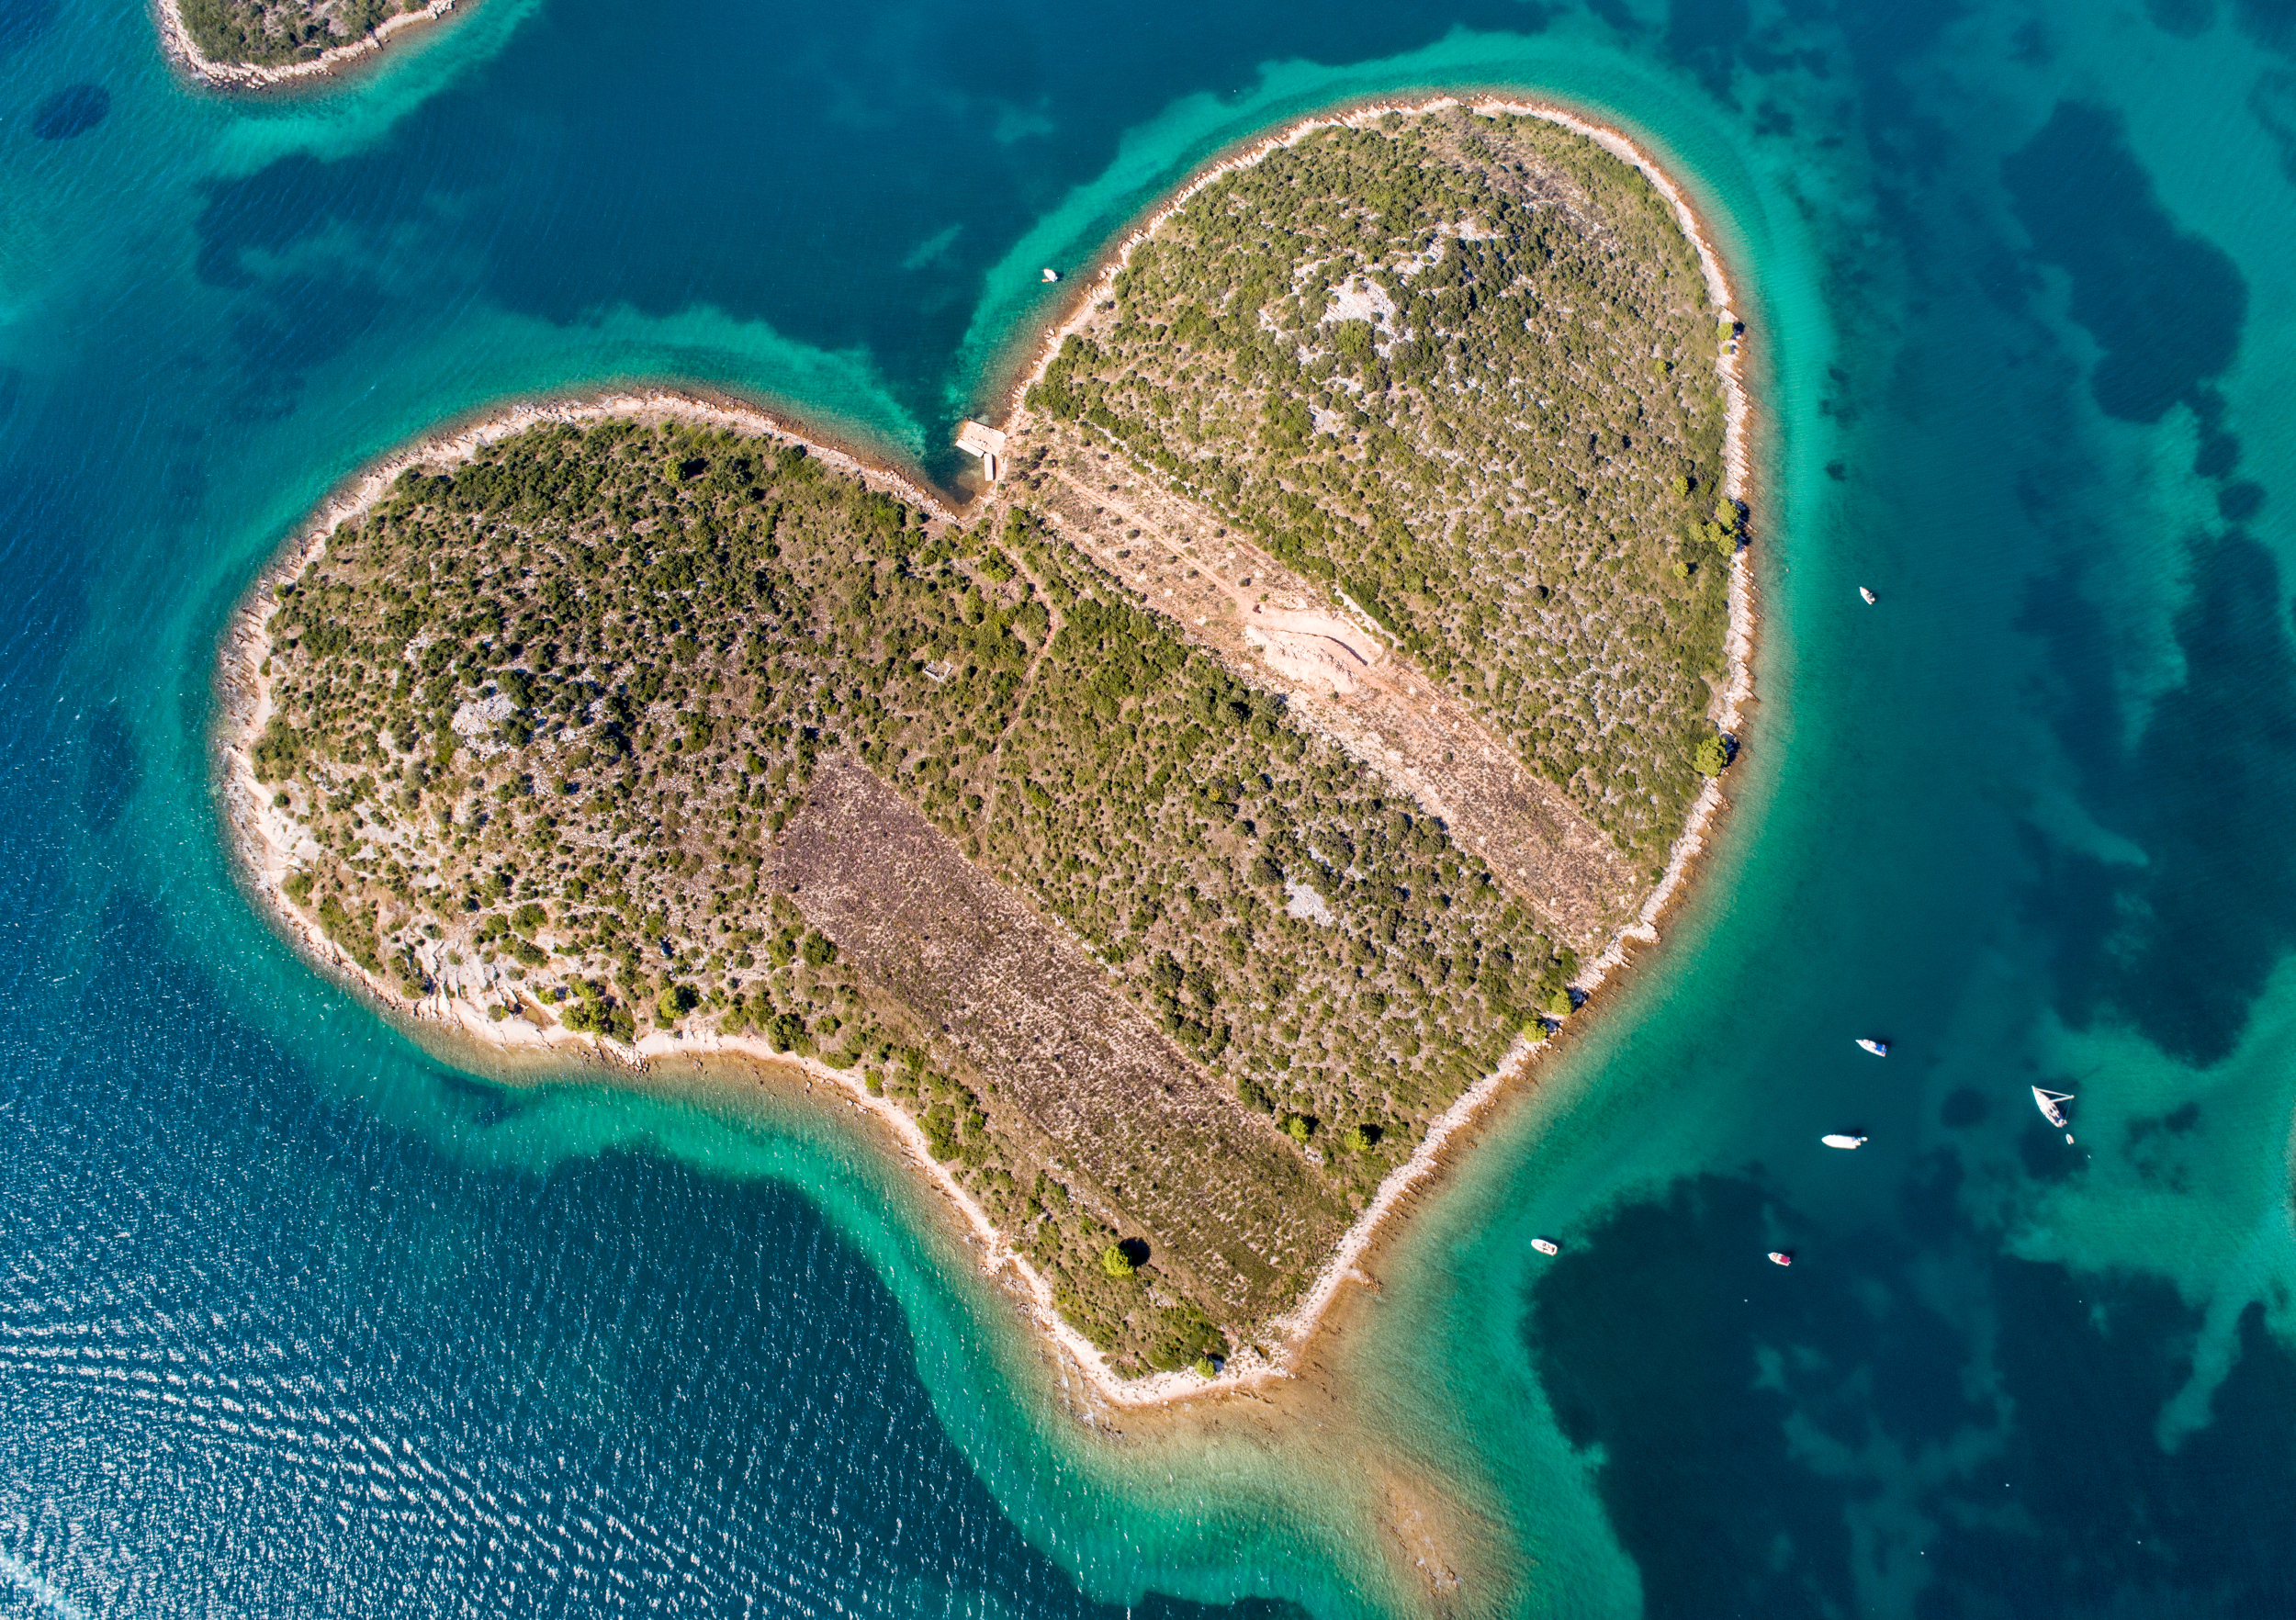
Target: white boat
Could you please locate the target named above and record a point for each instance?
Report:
(1547, 1245)
(1781, 1256)
(2052, 1107)
(1843, 1142)
(1051, 273)
(1878, 1048)
(1870, 597)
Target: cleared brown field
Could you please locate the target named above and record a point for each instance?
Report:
(1072, 1070)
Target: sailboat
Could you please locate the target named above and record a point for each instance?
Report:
(2052, 1107)
(1843, 1142)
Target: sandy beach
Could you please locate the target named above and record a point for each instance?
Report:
(267, 843)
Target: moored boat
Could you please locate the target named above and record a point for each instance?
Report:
(1547, 1245)
(2052, 1107)
(1878, 1048)
(1870, 598)
(1051, 273)
(1781, 1256)
(1838, 1139)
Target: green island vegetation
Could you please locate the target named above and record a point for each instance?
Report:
(546, 718)
(1462, 369)
(647, 730)
(273, 33)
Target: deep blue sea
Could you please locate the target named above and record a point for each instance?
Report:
(295, 1320)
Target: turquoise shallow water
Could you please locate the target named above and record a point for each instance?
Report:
(294, 1320)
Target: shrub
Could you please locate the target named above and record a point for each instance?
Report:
(1184, 1336)
(1079, 1314)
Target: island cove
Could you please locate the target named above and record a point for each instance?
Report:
(1174, 848)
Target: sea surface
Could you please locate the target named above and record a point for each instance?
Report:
(298, 1320)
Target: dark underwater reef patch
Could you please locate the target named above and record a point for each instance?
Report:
(1705, 36)
(2270, 23)
(23, 21)
(298, 315)
(2187, 19)
(73, 110)
(2204, 789)
(2272, 102)
(1648, 1338)
(2166, 306)
(1748, 1417)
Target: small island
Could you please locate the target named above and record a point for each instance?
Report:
(1173, 848)
(256, 44)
